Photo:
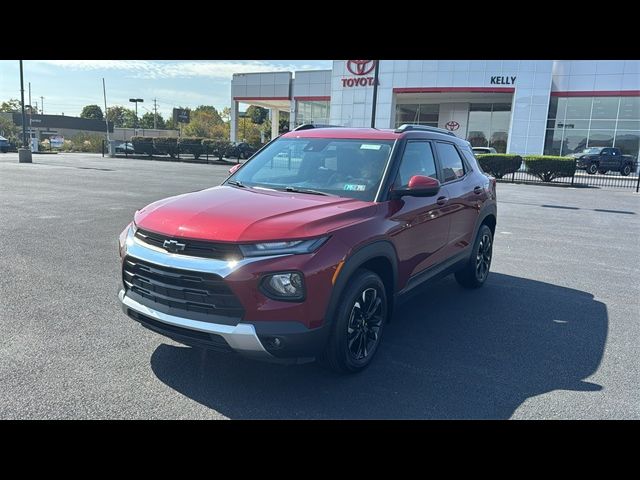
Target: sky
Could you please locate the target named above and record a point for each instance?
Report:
(69, 85)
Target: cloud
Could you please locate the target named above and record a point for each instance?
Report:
(146, 69)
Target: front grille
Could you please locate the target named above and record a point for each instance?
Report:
(185, 290)
(193, 248)
(183, 335)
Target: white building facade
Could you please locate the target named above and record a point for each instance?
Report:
(554, 107)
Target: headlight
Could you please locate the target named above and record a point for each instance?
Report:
(284, 286)
(126, 238)
(281, 248)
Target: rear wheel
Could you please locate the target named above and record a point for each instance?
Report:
(601, 171)
(626, 170)
(358, 324)
(476, 270)
(592, 169)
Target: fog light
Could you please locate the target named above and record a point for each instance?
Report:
(287, 285)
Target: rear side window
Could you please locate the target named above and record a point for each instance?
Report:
(450, 161)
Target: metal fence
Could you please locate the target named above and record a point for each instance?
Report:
(580, 179)
(200, 153)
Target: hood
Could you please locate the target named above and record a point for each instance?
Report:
(231, 214)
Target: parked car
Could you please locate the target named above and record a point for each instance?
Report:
(4, 145)
(305, 249)
(125, 148)
(242, 150)
(483, 150)
(604, 159)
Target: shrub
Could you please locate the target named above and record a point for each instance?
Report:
(547, 168)
(218, 147)
(84, 142)
(165, 145)
(192, 145)
(499, 164)
(142, 145)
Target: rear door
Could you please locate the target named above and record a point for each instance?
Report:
(463, 196)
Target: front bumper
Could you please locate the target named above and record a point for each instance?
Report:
(296, 343)
(241, 337)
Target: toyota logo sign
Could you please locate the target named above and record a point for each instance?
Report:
(452, 126)
(360, 67)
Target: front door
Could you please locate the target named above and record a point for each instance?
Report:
(422, 226)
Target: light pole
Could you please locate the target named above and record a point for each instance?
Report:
(24, 154)
(135, 125)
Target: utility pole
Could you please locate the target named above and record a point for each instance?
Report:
(155, 114)
(24, 154)
(42, 105)
(375, 94)
(30, 110)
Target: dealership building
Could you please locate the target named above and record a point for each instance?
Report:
(555, 107)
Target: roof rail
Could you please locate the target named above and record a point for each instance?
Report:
(307, 126)
(407, 127)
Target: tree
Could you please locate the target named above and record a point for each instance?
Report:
(225, 114)
(204, 122)
(12, 105)
(209, 110)
(121, 117)
(92, 111)
(257, 114)
(9, 130)
(147, 121)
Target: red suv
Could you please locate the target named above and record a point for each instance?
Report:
(304, 250)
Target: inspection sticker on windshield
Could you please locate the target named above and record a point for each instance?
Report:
(354, 187)
(370, 146)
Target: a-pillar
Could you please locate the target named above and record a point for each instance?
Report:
(275, 123)
(234, 121)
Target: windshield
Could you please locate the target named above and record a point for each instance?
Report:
(343, 167)
(592, 150)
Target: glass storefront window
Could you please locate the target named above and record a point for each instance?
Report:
(577, 122)
(578, 107)
(630, 108)
(418, 114)
(489, 125)
(600, 138)
(605, 107)
(312, 112)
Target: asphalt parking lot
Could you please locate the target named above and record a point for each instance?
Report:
(555, 332)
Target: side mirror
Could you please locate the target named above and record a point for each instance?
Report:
(419, 186)
(233, 169)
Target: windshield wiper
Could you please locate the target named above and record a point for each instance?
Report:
(307, 190)
(237, 183)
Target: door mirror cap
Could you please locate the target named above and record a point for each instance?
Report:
(233, 169)
(418, 186)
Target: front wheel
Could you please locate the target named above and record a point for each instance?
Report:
(358, 324)
(592, 169)
(476, 270)
(625, 171)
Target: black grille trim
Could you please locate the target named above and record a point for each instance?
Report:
(182, 290)
(193, 248)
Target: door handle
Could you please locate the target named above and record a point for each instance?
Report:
(442, 200)
(477, 190)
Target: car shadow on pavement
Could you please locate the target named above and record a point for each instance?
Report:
(449, 353)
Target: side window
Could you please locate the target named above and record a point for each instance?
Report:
(416, 160)
(450, 161)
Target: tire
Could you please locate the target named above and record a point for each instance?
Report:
(355, 338)
(592, 169)
(626, 170)
(602, 172)
(476, 270)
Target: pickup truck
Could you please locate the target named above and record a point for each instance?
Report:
(604, 159)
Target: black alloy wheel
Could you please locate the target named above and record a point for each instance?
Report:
(365, 323)
(483, 257)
